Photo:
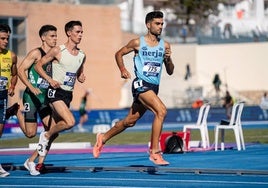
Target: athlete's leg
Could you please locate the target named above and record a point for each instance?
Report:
(48, 121)
(151, 101)
(82, 120)
(67, 118)
(3, 107)
(1, 129)
(28, 117)
(136, 112)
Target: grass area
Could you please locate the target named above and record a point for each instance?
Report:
(250, 135)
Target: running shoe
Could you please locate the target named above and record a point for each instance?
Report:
(42, 144)
(30, 166)
(81, 129)
(157, 159)
(3, 173)
(98, 145)
(12, 110)
(40, 167)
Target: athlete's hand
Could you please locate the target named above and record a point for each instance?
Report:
(11, 91)
(35, 91)
(125, 74)
(81, 78)
(167, 54)
(54, 83)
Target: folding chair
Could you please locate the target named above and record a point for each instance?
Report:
(235, 125)
(201, 125)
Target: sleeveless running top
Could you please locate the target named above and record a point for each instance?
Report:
(34, 78)
(65, 70)
(5, 71)
(148, 62)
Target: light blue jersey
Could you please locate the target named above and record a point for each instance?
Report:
(148, 62)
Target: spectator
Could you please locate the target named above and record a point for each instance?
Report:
(228, 104)
(188, 73)
(264, 105)
(83, 112)
(217, 83)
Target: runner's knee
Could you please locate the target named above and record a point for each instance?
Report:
(30, 134)
(70, 122)
(161, 113)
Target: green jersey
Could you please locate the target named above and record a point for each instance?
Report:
(35, 79)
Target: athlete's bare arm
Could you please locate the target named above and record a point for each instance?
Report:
(27, 62)
(80, 73)
(167, 59)
(52, 54)
(14, 74)
(133, 45)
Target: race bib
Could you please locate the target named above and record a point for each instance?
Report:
(27, 107)
(42, 83)
(69, 79)
(138, 84)
(3, 82)
(151, 69)
(51, 93)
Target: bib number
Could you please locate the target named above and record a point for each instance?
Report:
(69, 79)
(151, 69)
(26, 107)
(42, 83)
(3, 82)
(138, 84)
(51, 93)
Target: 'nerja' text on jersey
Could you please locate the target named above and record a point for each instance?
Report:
(148, 62)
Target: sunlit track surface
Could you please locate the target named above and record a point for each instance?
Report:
(228, 168)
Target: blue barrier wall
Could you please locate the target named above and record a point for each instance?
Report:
(174, 116)
(182, 115)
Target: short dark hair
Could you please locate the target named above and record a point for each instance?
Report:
(5, 28)
(46, 28)
(151, 15)
(69, 26)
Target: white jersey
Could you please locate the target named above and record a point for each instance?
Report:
(66, 69)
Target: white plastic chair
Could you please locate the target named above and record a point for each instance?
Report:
(201, 125)
(235, 125)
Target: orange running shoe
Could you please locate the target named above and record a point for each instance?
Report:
(98, 145)
(157, 158)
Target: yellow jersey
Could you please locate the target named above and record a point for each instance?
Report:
(5, 69)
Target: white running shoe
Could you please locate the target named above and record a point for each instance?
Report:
(3, 173)
(81, 129)
(42, 145)
(30, 166)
